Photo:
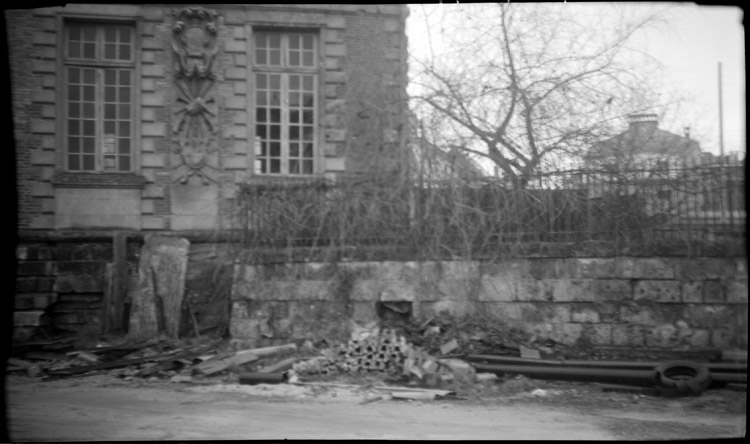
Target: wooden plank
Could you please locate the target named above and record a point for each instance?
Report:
(240, 358)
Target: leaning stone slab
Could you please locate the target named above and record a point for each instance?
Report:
(156, 307)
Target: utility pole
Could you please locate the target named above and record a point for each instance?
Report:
(721, 119)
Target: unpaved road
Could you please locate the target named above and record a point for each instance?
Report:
(87, 409)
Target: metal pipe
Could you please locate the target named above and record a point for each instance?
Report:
(630, 376)
(729, 377)
(724, 367)
(262, 378)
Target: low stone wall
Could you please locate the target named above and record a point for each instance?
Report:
(655, 302)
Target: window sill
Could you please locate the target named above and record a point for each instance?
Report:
(100, 180)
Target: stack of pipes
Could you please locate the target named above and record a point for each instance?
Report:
(382, 351)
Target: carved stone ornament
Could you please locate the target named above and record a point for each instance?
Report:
(194, 43)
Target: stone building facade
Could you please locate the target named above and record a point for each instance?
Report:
(147, 118)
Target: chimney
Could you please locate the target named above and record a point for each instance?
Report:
(643, 123)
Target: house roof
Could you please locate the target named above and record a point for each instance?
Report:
(644, 137)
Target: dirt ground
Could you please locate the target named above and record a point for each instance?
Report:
(104, 407)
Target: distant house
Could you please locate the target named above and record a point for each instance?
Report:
(642, 143)
(666, 178)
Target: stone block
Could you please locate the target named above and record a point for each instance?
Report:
(153, 129)
(335, 77)
(706, 268)
(608, 311)
(567, 334)
(644, 268)
(710, 316)
(552, 268)
(335, 164)
(692, 291)
(322, 270)
(493, 289)
(336, 22)
(532, 290)
(364, 312)
(662, 336)
(639, 315)
(94, 268)
(612, 289)
(335, 50)
(509, 269)
(713, 292)
(628, 335)
(235, 46)
(44, 96)
(371, 290)
(737, 292)
(554, 313)
(700, 338)
(722, 338)
(233, 73)
(657, 290)
(454, 308)
(568, 290)
(584, 314)
(597, 334)
(152, 71)
(595, 268)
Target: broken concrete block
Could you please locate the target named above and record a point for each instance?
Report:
(448, 347)
(485, 377)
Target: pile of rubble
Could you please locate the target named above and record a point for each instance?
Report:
(432, 355)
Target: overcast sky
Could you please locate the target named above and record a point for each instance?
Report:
(694, 40)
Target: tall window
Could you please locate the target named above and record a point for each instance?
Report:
(286, 94)
(99, 75)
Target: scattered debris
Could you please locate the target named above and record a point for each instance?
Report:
(213, 366)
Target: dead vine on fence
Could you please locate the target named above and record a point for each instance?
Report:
(449, 219)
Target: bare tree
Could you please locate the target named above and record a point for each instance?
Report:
(529, 84)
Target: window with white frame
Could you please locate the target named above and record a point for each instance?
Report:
(286, 100)
(99, 70)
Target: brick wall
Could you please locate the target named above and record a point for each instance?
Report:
(656, 302)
